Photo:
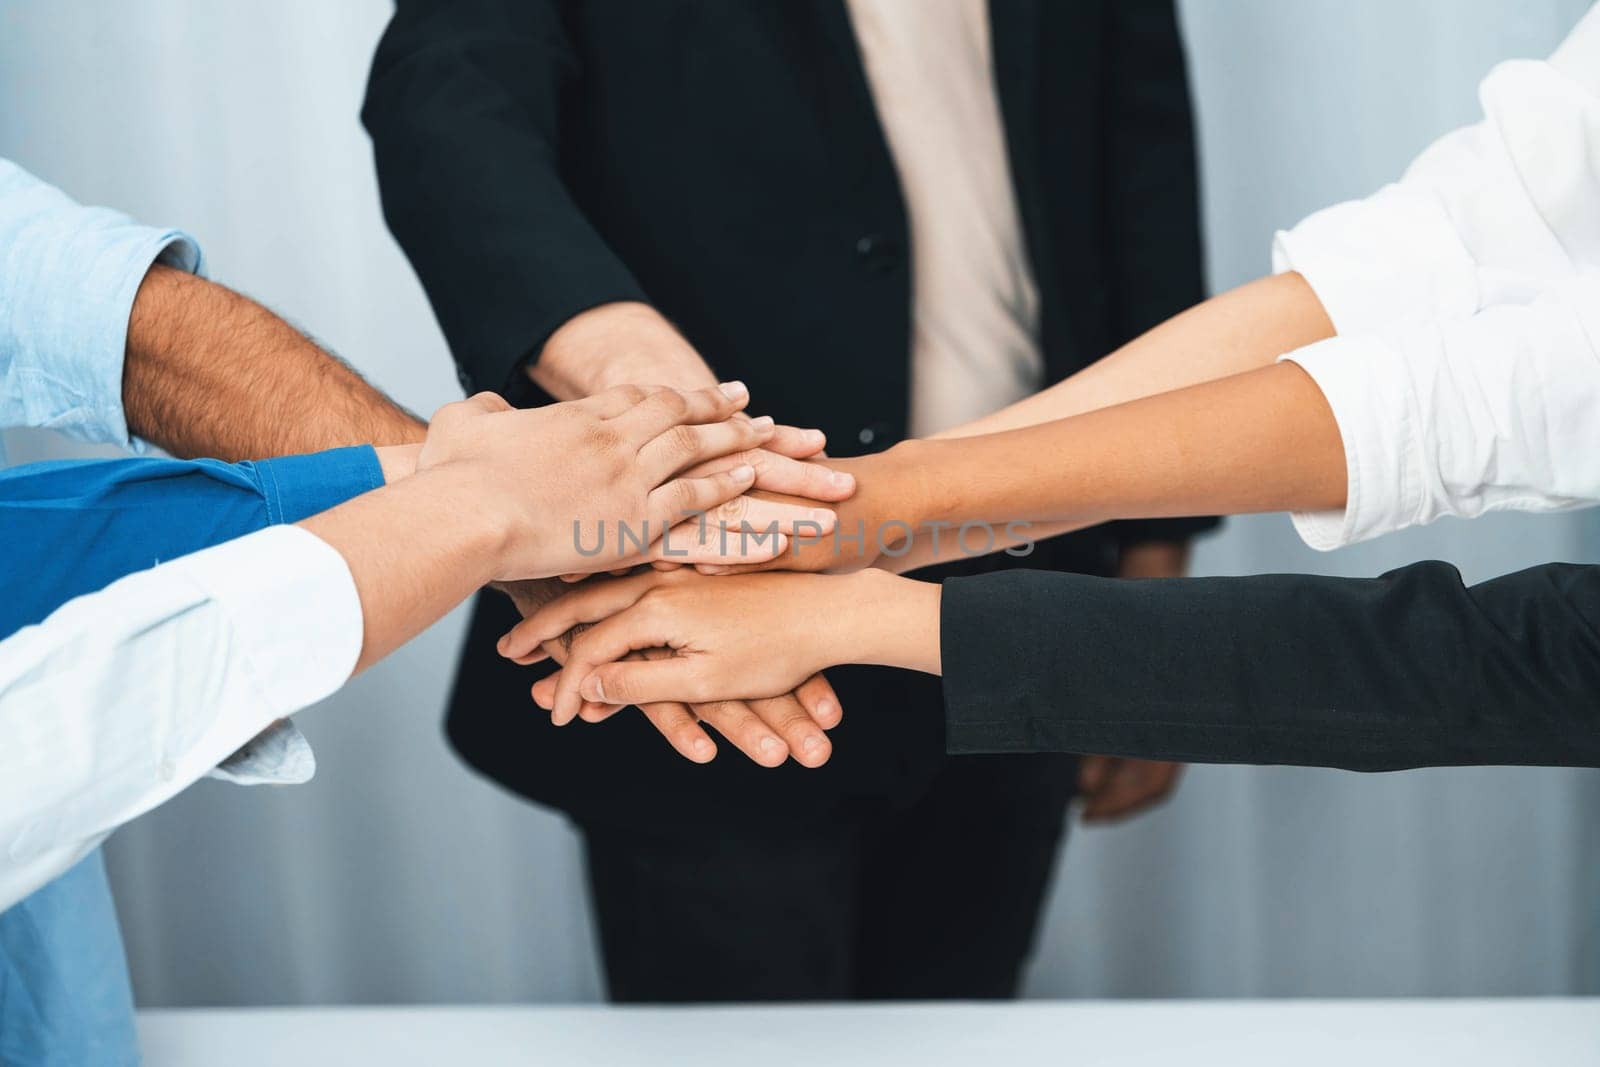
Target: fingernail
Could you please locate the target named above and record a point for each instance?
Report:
(825, 709)
(840, 478)
(734, 390)
(743, 473)
(709, 568)
(812, 744)
(771, 746)
(593, 690)
(762, 422)
(820, 515)
(814, 437)
(703, 748)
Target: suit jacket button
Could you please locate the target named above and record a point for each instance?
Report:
(878, 253)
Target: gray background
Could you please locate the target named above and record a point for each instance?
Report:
(398, 876)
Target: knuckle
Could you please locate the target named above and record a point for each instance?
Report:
(684, 497)
(672, 402)
(683, 440)
(733, 511)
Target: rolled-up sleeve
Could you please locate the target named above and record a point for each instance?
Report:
(69, 275)
(1459, 417)
(1489, 214)
(122, 698)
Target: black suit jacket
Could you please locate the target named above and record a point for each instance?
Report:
(722, 160)
(1412, 669)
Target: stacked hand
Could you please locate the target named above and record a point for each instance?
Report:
(768, 731)
(579, 486)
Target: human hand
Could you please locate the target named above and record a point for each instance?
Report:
(608, 462)
(768, 731)
(1113, 787)
(871, 528)
(629, 343)
(752, 636)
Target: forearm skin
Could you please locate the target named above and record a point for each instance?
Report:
(209, 372)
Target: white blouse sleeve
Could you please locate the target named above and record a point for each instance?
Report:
(1461, 416)
(1489, 214)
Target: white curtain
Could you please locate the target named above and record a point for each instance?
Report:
(398, 876)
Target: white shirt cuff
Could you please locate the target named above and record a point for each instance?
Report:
(278, 755)
(1367, 387)
(1391, 258)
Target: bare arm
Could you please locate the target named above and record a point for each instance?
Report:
(212, 373)
(1242, 329)
(1263, 440)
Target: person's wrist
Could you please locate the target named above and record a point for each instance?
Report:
(491, 534)
(893, 633)
(905, 626)
(620, 343)
(397, 461)
(835, 603)
(904, 477)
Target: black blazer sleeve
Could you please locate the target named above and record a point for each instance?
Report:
(1152, 193)
(464, 110)
(1411, 669)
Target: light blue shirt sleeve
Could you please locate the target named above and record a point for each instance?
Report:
(68, 276)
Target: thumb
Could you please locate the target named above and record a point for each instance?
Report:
(611, 639)
(644, 682)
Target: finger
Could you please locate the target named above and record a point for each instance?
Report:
(612, 639)
(595, 601)
(681, 447)
(745, 730)
(544, 690)
(667, 408)
(816, 695)
(760, 513)
(634, 682)
(593, 712)
(544, 694)
(678, 725)
(776, 473)
(699, 541)
(684, 498)
(795, 443)
(790, 721)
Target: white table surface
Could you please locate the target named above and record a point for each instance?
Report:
(1240, 1033)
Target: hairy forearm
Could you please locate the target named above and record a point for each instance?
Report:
(1264, 440)
(448, 550)
(1240, 330)
(212, 373)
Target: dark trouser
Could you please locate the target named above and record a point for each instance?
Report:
(940, 900)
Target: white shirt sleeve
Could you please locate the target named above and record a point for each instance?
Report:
(1461, 416)
(1489, 214)
(123, 698)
